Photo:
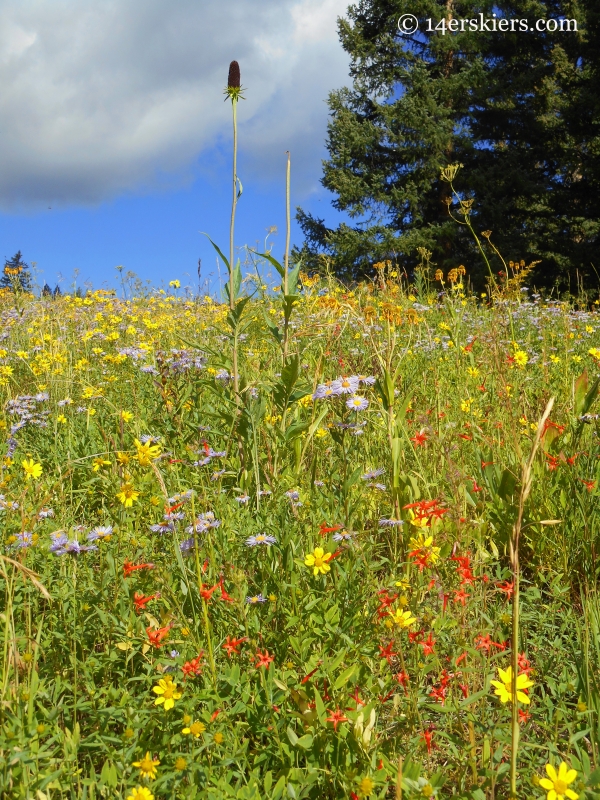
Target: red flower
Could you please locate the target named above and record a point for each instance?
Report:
(589, 485)
(460, 596)
(324, 529)
(524, 716)
(524, 663)
(385, 600)
(224, 596)
(428, 645)
(427, 738)
(402, 678)
(231, 646)
(507, 587)
(419, 439)
(336, 717)
(306, 678)
(207, 593)
(357, 700)
(193, 667)
(155, 637)
(140, 601)
(263, 659)
(438, 693)
(484, 642)
(128, 568)
(387, 652)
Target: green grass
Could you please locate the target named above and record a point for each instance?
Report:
(347, 702)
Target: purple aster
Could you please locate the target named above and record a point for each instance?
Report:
(357, 403)
(260, 538)
(390, 523)
(374, 473)
(187, 546)
(345, 385)
(257, 598)
(343, 536)
(100, 532)
(166, 526)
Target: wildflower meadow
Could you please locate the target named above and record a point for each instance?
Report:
(305, 541)
(306, 588)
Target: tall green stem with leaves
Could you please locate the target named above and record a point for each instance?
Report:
(234, 92)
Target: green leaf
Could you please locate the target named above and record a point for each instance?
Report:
(320, 707)
(217, 249)
(292, 736)
(581, 390)
(345, 677)
(280, 269)
(293, 277)
(305, 742)
(508, 483)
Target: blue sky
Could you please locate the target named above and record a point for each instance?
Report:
(157, 235)
(115, 142)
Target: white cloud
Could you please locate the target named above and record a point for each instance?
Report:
(103, 97)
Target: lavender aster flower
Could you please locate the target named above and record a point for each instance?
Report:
(374, 473)
(255, 599)
(357, 403)
(390, 523)
(100, 532)
(260, 538)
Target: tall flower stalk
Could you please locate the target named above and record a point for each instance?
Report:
(234, 93)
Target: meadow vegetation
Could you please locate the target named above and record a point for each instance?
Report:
(304, 580)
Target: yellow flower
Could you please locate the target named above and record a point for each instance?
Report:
(180, 764)
(558, 785)
(465, 405)
(318, 561)
(504, 688)
(32, 469)
(123, 458)
(175, 284)
(425, 543)
(140, 793)
(196, 728)
(218, 738)
(147, 452)
(126, 416)
(521, 358)
(147, 767)
(61, 418)
(402, 618)
(127, 495)
(365, 787)
(167, 692)
(99, 463)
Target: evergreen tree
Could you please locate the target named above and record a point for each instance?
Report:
(519, 109)
(57, 291)
(15, 274)
(46, 291)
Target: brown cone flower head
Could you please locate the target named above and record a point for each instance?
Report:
(233, 81)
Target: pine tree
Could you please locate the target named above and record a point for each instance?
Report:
(15, 275)
(513, 107)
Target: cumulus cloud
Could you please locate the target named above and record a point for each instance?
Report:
(104, 97)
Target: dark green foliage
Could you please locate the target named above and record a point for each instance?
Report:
(15, 274)
(518, 109)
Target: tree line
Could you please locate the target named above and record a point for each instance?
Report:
(518, 109)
